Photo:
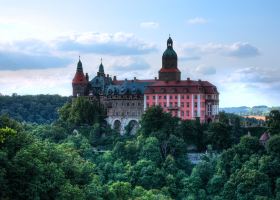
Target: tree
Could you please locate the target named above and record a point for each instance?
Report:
(5, 132)
(273, 121)
(120, 190)
(273, 145)
(219, 136)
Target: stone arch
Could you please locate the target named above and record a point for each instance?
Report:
(132, 126)
(117, 125)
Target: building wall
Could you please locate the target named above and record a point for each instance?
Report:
(185, 106)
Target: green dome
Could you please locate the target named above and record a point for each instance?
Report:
(169, 52)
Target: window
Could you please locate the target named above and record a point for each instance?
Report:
(147, 105)
(171, 96)
(127, 104)
(132, 104)
(176, 104)
(188, 105)
(188, 97)
(127, 113)
(154, 104)
(154, 97)
(195, 104)
(188, 113)
(182, 97)
(147, 97)
(160, 104)
(195, 113)
(138, 103)
(195, 96)
(182, 113)
(176, 97)
(171, 104)
(164, 97)
(182, 104)
(165, 105)
(159, 97)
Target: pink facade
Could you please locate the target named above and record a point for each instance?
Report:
(185, 99)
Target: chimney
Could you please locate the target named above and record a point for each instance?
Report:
(155, 78)
(134, 79)
(188, 79)
(115, 78)
(87, 76)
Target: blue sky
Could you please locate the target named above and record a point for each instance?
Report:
(233, 44)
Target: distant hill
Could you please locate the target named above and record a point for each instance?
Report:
(244, 110)
(32, 108)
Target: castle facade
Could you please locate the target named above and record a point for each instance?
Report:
(126, 100)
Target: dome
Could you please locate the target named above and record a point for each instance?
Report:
(169, 52)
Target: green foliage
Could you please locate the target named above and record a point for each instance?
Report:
(219, 136)
(5, 132)
(273, 145)
(82, 111)
(81, 158)
(273, 121)
(38, 109)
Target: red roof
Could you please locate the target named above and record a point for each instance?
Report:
(169, 70)
(185, 86)
(79, 78)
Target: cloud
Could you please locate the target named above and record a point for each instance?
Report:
(103, 43)
(237, 49)
(38, 54)
(129, 64)
(29, 54)
(256, 75)
(205, 70)
(149, 25)
(197, 20)
(16, 61)
(241, 50)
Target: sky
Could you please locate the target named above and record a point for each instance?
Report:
(232, 44)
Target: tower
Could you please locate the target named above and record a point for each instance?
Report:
(80, 81)
(101, 70)
(169, 70)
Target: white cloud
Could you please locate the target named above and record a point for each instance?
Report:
(197, 20)
(205, 70)
(149, 25)
(104, 43)
(237, 49)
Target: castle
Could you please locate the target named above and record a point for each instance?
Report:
(126, 100)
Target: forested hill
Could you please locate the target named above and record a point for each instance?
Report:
(32, 108)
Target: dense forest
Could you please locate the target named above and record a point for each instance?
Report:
(32, 108)
(80, 157)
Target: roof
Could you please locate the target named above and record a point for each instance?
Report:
(168, 70)
(119, 82)
(264, 137)
(185, 86)
(79, 78)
